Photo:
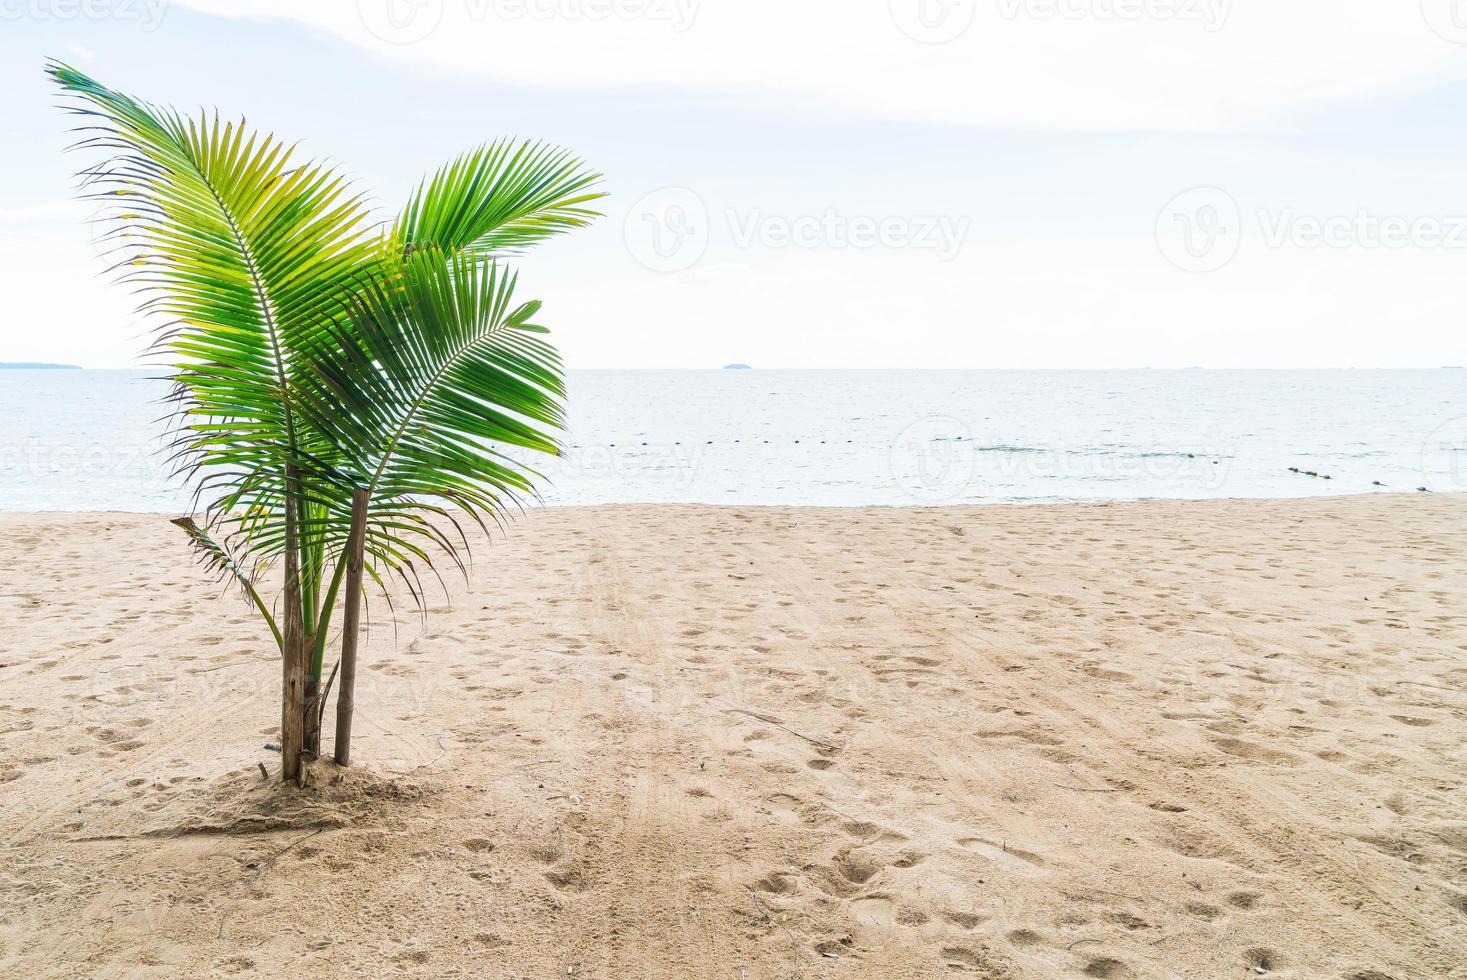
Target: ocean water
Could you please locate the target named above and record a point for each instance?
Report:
(88, 440)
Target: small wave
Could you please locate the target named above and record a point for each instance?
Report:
(1145, 455)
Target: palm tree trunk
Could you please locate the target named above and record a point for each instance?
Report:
(293, 697)
(294, 661)
(311, 743)
(351, 625)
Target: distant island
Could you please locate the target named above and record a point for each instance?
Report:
(36, 366)
(737, 367)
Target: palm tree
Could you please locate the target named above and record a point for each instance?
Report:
(347, 391)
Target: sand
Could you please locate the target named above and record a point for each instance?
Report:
(1208, 739)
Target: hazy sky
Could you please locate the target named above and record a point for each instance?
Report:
(841, 183)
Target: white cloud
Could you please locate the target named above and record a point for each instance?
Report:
(1161, 65)
(1053, 254)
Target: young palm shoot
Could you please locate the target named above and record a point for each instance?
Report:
(342, 385)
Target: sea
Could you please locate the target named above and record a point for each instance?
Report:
(86, 440)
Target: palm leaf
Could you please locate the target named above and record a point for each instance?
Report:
(439, 374)
(499, 199)
(243, 255)
(218, 560)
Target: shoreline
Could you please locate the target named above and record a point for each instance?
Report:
(1194, 737)
(1055, 503)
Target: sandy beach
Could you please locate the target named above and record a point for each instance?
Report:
(1163, 739)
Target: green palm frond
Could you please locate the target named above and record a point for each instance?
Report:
(217, 559)
(243, 254)
(500, 199)
(440, 373)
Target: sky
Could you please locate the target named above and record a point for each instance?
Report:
(838, 183)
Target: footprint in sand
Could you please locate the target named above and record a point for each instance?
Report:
(868, 832)
(1108, 674)
(1254, 752)
(1107, 968)
(776, 883)
(1261, 960)
(1126, 920)
(1023, 862)
(856, 867)
(874, 910)
(1243, 900)
(1165, 807)
(568, 879)
(981, 960)
(787, 808)
(964, 920)
(1024, 938)
(908, 859)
